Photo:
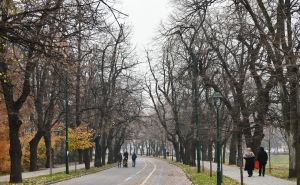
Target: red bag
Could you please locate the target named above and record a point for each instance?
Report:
(256, 165)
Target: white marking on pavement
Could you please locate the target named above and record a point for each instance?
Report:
(127, 179)
(143, 183)
(142, 169)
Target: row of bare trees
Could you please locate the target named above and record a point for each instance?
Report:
(248, 51)
(72, 60)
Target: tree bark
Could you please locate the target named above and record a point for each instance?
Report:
(103, 149)
(86, 158)
(49, 153)
(292, 156)
(224, 152)
(33, 144)
(110, 158)
(15, 151)
(233, 149)
(80, 156)
(176, 149)
(97, 162)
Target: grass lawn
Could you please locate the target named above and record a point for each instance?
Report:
(203, 177)
(61, 176)
(279, 167)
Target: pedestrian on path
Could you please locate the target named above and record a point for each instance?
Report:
(133, 157)
(262, 157)
(120, 158)
(250, 159)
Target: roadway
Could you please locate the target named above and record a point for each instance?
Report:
(148, 171)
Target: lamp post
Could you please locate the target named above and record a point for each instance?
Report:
(67, 123)
(217, 103)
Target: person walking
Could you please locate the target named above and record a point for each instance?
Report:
(262, 157)
(125, 160)
(120, 158)
(250, 159)
(133, 157)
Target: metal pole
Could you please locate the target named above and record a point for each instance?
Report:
(198, 145)
(67, 124)
(221, 162)
(50, 155)
(219, 179)
(270, 149)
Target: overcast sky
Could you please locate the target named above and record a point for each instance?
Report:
(145, 16)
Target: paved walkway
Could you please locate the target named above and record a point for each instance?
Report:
(44, 172)
(234, 173)
(230, 171)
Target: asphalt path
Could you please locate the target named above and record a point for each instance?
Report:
(148, 171)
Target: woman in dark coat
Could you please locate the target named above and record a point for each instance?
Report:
(262, 157)
(250, 159)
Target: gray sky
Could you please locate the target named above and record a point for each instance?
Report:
(145, 16)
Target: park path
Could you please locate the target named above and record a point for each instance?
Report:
(25, 175)
(148, 171)
(234, 173)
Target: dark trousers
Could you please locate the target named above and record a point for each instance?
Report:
(262, 169)
(133, 163)
(250, 172)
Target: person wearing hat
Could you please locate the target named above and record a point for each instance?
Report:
(250, 159)
(262, 157)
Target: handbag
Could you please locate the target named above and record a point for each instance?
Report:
(256, 165)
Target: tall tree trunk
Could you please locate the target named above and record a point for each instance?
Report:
(204, 148)
(110, 158)
(97, 162)
(297, 142)
(292, 156)
(240, 154)
(188, 153)
(176, 149)
(224, 152)
(290, 135)
(233, 148)
(182, 154)
(130, 148)
(103, 149)
(91, 153)
(109, 142)
(210, 149)
(103, 155)
(295, 120)
(15, 151)
(215, 157)
(193, 153)
(33, 144)
(80, 156)
(86, 158)
(49, 153)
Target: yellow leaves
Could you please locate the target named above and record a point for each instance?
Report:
(25, 139)
(41, 150)
(4, 140)
(4, 156)
(81, 137)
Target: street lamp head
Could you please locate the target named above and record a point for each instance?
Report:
(217, 99)
(56, 131)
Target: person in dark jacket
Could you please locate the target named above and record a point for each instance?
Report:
(262, 157)
(125, 160)
(250, 159)
(133, 157)
(120, 158)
